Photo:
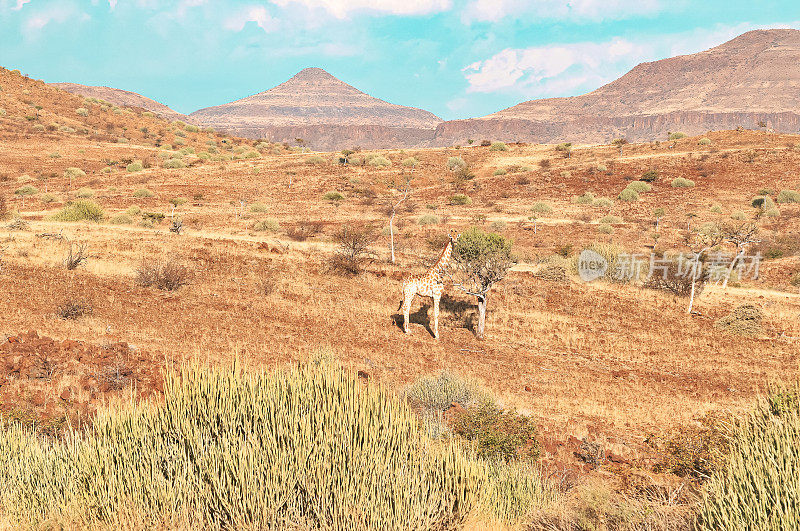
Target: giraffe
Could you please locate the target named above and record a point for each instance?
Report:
(431, 284)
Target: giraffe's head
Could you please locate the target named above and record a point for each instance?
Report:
(453, 235)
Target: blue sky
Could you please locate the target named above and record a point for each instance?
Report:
(456, 58)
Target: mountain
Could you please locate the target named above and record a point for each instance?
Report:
(752, 78)
(122, 98)
(326, 112)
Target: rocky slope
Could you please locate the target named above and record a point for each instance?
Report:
(752, 78)
(122, 98)
(326, 112)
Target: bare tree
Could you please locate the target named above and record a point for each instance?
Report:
(395, 206)
(740, 235)
(76, 256)
(701, 242)
(482, 259)
(619, 142)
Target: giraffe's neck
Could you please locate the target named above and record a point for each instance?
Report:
(437, 271)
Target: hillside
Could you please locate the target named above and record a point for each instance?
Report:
(121, 97)
(326, 112)
(752, 78)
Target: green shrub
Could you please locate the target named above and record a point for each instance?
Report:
(227, 449)
(80, 210)
(173, 164)
(763, 203)
(704, 141)
(541, 208)
(499, 225)
(85, 193)
(610, 252)
(454, 163)
(410, 162)
(500, 171)
(47, 198)
(745, 320)
(153, 217)
(498, 434)
(611, 220)
(605, 229)
(26, 190)
(428, 219)
(759, 485)
(121, 219)
(788, 196)
(628, 194)
(677, 136)
(680, 182)
(739, 215)
(107, 170)
(795, 281)
(133, 210)
(379, 161)
(269, 224)
(315, 159)
(639, 186)
(460, 199)
(142, 192)
(772, 213)
(603, 202)
(586, 199)
(81, 111)
(204, 155)
(134, 166)
(602, 168)
(716, 209)
(74, 173)
(333, 196)
(498, 146)
(192, 128)
(259, 208)
(437, 393)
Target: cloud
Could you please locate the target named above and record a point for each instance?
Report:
(551, 70)
(19, 5)
(596, 10)
(257, 14)
(576, 68)
(57, 13)
(343, 8)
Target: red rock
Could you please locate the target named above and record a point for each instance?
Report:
(528, 388)
(363, 375)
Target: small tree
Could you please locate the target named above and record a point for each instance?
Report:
(566, 148)
(619, 142)
(740, 235)
(658, 213)
(26, 191)
(482, 259)
(701, 242)
(353, 250)
(394, 207)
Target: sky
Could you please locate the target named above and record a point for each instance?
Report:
(455, 58)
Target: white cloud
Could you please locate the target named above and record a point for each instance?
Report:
(19, 5)
(257, 14)
(112, 4)
(568, 69)
(343, 8)
(57, 13)
(551, 70)
(495, 10)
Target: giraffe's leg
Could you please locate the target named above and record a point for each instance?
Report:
(407, 298)
(436, 315)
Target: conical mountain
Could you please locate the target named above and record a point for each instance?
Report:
(314, 104)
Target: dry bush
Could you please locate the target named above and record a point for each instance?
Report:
(745, 320)
(74, 309)
(76, 256)
(353, 252)
(497, 433)
(696, 450)
(4, 211)
(304, 230)
(673, 279)
(165, 275)
(552, 273)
